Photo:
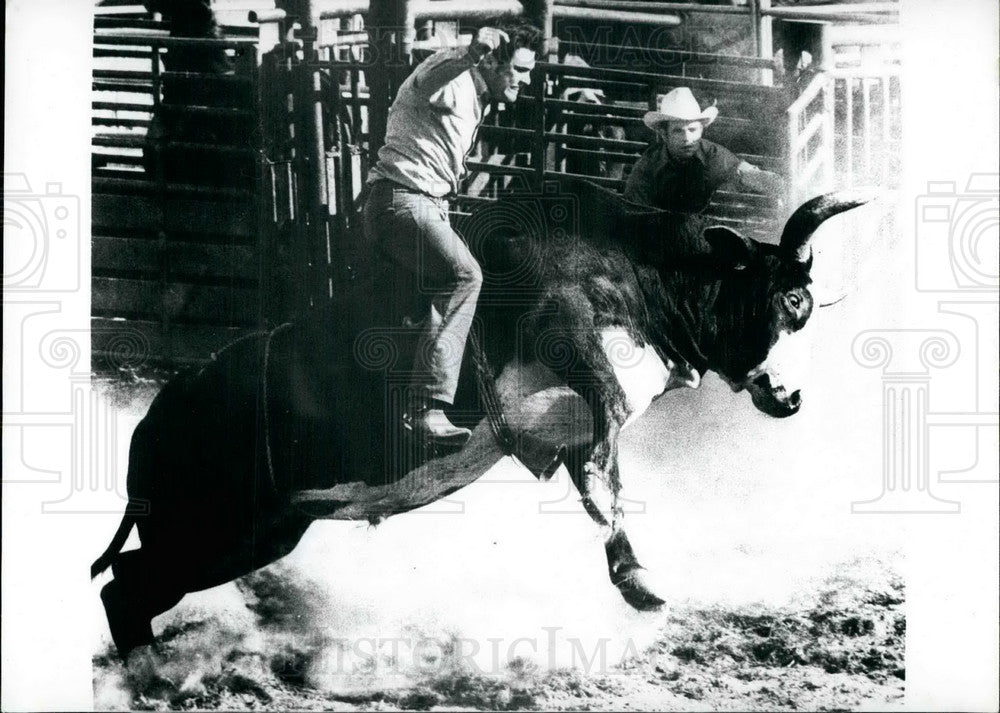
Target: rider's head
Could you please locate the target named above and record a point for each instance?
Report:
(509, 67)
(681, 137)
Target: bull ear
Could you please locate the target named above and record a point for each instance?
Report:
(729, 246)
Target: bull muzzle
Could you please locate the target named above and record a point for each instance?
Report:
(774, 400)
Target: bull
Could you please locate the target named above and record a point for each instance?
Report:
(233, 462)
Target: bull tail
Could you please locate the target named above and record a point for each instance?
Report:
(107, 557)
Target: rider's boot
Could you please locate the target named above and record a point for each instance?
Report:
(428, 422)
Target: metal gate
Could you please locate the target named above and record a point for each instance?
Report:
(868, 122)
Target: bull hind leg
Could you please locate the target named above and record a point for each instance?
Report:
(132, 599)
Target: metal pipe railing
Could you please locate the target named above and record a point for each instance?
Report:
(268, 29)
(671, 56)
(802, 138)
(806, 98)
(116, 185)
(342, 8)
(429, 9)
(131, 23)
(272, 15)
(850, 12)
(618, 156)
(595, 142)
(162, 40)
(465, 9)
(566, 12)
(146, 76)
(640, 6)
(853, 13)
(656, 79)
(599, 180)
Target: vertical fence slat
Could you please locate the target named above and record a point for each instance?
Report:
(828, 149)
(866, 103)
(886, 108)
(791, 159)
(849, 159)
(539, 144)
(765, 39)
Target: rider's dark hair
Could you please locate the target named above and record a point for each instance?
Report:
(522, 33)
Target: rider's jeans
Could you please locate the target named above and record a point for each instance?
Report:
(413, 229)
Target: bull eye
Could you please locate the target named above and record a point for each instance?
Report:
(795, 301)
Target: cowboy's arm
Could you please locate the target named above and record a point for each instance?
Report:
(436, 77)
(760, 181)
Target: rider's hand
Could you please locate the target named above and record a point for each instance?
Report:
(486, 40)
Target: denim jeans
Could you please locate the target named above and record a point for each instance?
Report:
(413, 229)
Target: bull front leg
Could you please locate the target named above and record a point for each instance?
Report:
(602, 502)
(596, 475)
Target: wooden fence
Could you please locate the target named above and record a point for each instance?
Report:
(176, 261)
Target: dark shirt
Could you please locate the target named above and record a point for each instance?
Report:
(683, 186)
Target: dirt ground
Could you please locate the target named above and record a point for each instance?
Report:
(754, 620)
(840, 650)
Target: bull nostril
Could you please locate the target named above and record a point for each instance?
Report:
(795, 399)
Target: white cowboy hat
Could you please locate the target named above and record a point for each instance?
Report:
(680, 105)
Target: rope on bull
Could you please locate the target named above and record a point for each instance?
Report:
(489, 398)
(264, 396)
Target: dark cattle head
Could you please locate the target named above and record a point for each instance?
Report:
(742, 315)
(593, 126)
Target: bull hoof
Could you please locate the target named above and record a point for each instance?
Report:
(636, 592)
(129, 628)
(143, 672)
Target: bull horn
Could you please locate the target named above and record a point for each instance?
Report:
(810, 215)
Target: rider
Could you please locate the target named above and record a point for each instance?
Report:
(431, 127)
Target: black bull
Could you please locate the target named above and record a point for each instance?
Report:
(232, 463)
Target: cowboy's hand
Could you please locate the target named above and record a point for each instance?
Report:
(486, 40)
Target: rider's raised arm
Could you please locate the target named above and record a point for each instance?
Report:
(437, 74)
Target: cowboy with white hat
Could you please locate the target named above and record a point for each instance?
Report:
(680, 171)
(680, 105)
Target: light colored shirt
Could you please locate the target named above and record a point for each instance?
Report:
(432, 124)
